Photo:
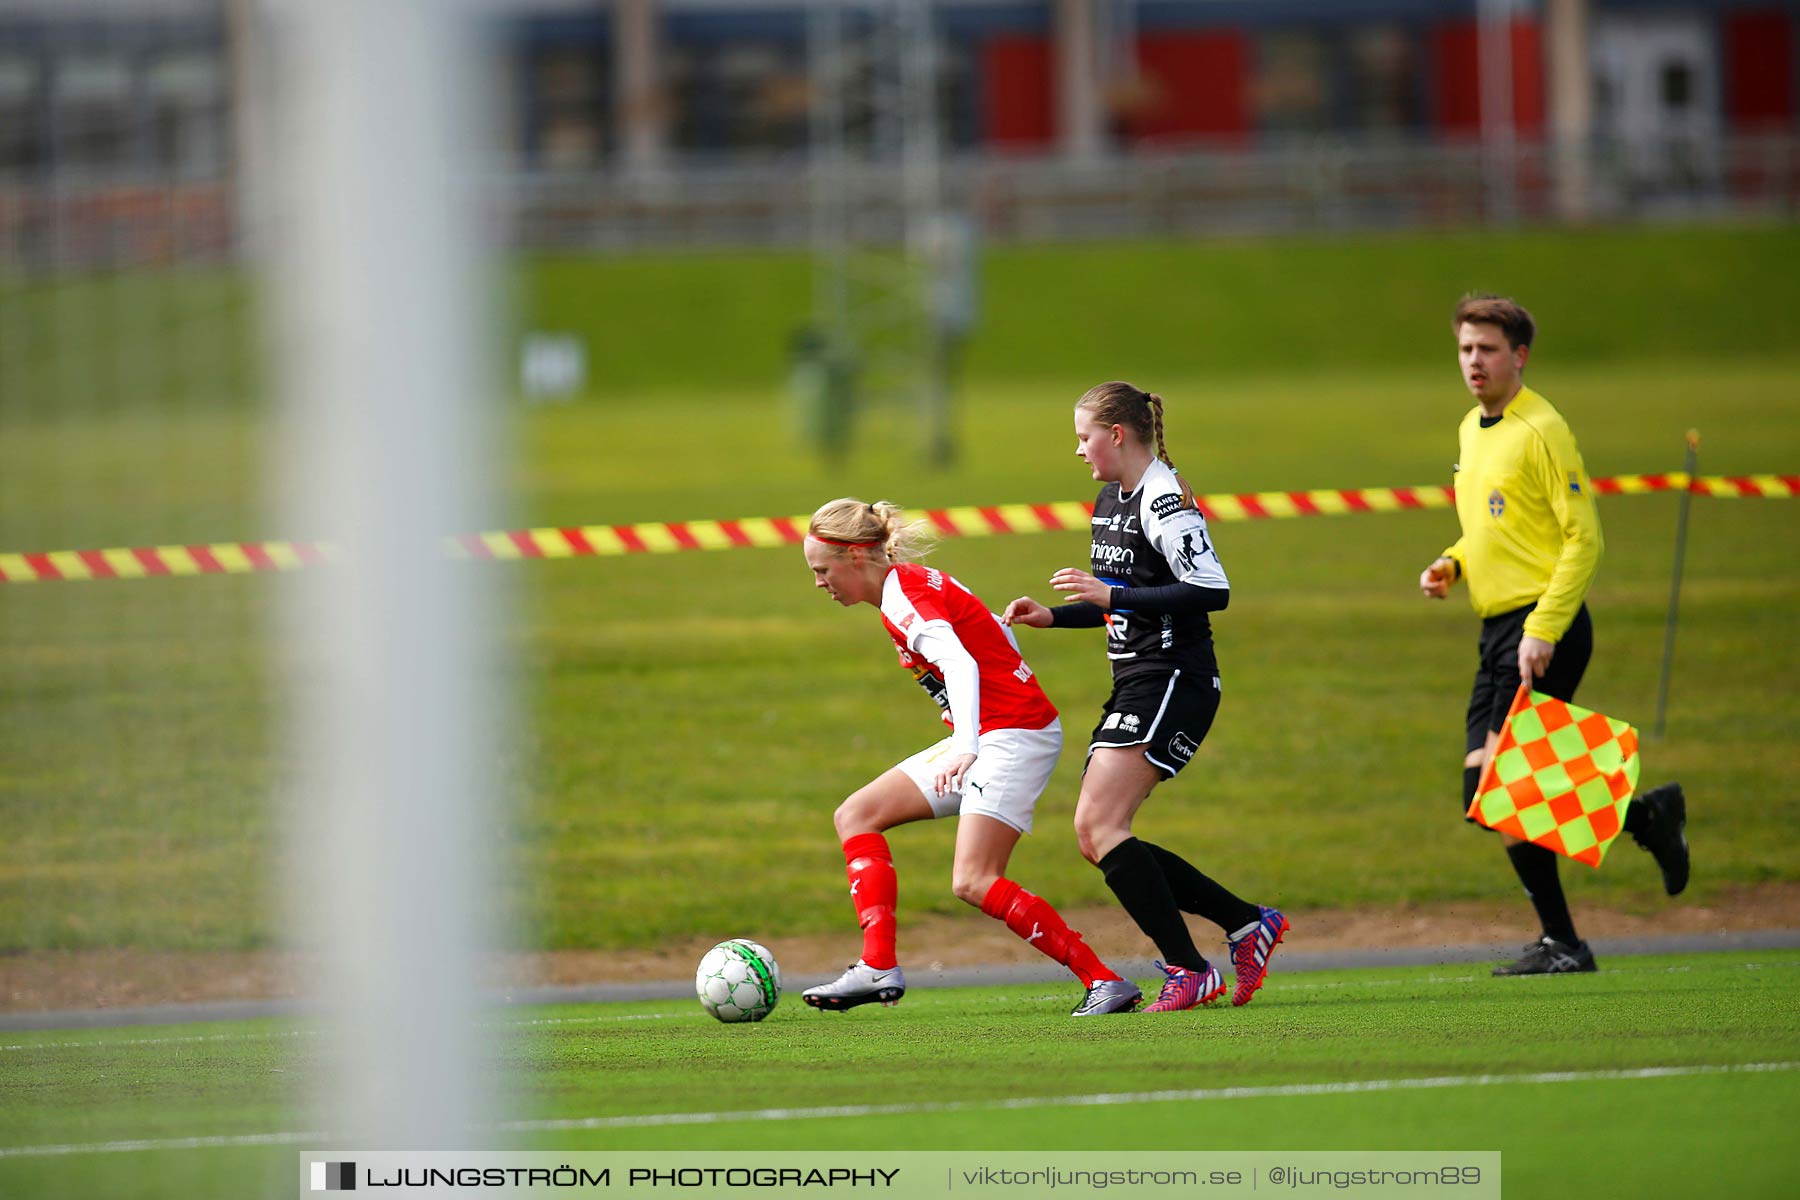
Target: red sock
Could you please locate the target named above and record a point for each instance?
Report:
(875, 891)
(1032, 918)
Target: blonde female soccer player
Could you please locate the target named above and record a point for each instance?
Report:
(1155, 578)
(1004, 741)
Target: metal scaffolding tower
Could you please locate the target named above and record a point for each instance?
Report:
(883, 247)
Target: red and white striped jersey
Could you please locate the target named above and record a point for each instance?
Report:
(921, 607)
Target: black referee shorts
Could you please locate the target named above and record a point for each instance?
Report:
(1168, 713)
(1497, 678)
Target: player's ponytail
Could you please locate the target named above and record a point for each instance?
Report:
(1188, 500)
(848, 523)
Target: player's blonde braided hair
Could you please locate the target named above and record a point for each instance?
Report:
(847, 523)
(1121, 403)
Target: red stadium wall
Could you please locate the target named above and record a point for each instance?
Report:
(1456, 59)
(1018, 95)
(1759, 70)
(1197, 85)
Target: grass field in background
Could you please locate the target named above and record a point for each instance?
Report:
(701, 714)
(698, 716)
(1194, 310)
(1442, 1058)
(719, 324)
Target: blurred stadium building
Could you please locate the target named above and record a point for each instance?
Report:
(633, 122)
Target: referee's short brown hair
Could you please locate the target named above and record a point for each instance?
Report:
(1511, 317)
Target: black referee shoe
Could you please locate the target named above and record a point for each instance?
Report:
(1547, 956)
(1666, 839)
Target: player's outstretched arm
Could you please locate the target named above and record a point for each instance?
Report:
(1026, 611)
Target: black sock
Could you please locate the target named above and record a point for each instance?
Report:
(1132, 873)
(1536, 868)
(1202, 895)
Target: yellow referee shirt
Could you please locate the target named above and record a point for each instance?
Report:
(1529, 528)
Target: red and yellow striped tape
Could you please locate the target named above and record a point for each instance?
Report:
(665, 537)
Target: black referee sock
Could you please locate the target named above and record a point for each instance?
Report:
(1198, 893)
(1133, 874)
(1536, 868)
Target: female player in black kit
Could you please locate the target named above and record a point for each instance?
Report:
(1155, 578)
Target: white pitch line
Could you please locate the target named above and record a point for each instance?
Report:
(1351, 1088)
(1107, 1098)
(193, 1143)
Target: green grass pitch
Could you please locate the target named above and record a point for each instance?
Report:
(1673, 1075)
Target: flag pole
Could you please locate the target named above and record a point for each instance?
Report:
(1681, 528)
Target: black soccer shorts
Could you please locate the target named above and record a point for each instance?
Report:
(1497, 678)
(1168, 713)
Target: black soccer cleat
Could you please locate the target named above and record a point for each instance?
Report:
(1547, 956)
(1666, 839)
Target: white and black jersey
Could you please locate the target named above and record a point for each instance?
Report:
(1148, 540)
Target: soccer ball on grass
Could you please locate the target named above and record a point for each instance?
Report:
(738, 980)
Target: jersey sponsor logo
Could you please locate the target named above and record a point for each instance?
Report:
(907, 620)
(934, 578)
(934, 687)
(1118, 522)
(1496, 504)
(1105, 556)
(1117, 627)
(1166, 505)
(1022, 672)
(1182, 746)
(1575, 482)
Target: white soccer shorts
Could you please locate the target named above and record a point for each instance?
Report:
(1009, 774)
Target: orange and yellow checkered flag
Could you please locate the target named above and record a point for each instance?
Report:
(1560, 777)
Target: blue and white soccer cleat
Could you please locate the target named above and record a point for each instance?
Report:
(1184, 989)
(1250, 951)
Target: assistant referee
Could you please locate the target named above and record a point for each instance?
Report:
(1530, 545)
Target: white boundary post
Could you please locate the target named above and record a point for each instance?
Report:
(374, 241)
